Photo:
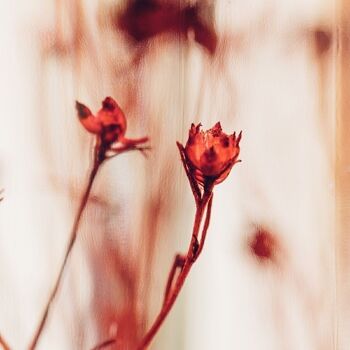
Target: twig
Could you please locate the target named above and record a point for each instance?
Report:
(205, 227)
(123, 149)
(203, 205)
(192, 254)
(193, 183)
(179, 262)
(98, 160)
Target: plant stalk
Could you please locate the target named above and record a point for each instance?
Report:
(191, 256)
(98, 160)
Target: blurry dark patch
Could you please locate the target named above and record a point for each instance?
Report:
(263, 245)
(322, 39)
(143, 20)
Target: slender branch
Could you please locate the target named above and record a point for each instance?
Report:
(124, 149)
(133, 142)
(179, 262)
(190, 259)
(203, 203)
(205, 228)
(98, 160)
(193, 183)
(3, 343)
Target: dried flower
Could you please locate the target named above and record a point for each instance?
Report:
(109, 125)
(211, 154)
(109, 122)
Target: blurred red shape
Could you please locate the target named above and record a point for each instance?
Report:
(142, 20)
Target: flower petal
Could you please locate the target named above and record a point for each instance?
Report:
(112, 118)
(109, 104)
(211, 153)
(89, 121)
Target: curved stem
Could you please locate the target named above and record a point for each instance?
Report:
(179, 262)
(191, 256)
(98, 160)
(193, 183)
(205, 227)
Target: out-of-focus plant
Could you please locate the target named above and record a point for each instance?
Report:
(143, 20)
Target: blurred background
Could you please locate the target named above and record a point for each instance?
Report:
(274, 274)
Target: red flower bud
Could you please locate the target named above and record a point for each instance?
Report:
(109, 122)
(211, 154)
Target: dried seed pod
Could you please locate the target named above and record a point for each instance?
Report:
(211, 154)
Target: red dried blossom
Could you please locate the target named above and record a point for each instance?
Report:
(109, 125)
(211, 154)
(109, 122)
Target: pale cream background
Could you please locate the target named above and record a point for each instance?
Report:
(267, 82)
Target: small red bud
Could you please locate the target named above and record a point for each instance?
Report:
(211, 153)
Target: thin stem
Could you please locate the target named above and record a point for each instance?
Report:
(98, 160)
(124, 149)
(205, 227)
(3, 343)
(193, 183)
(179, 262)
(190, 259)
